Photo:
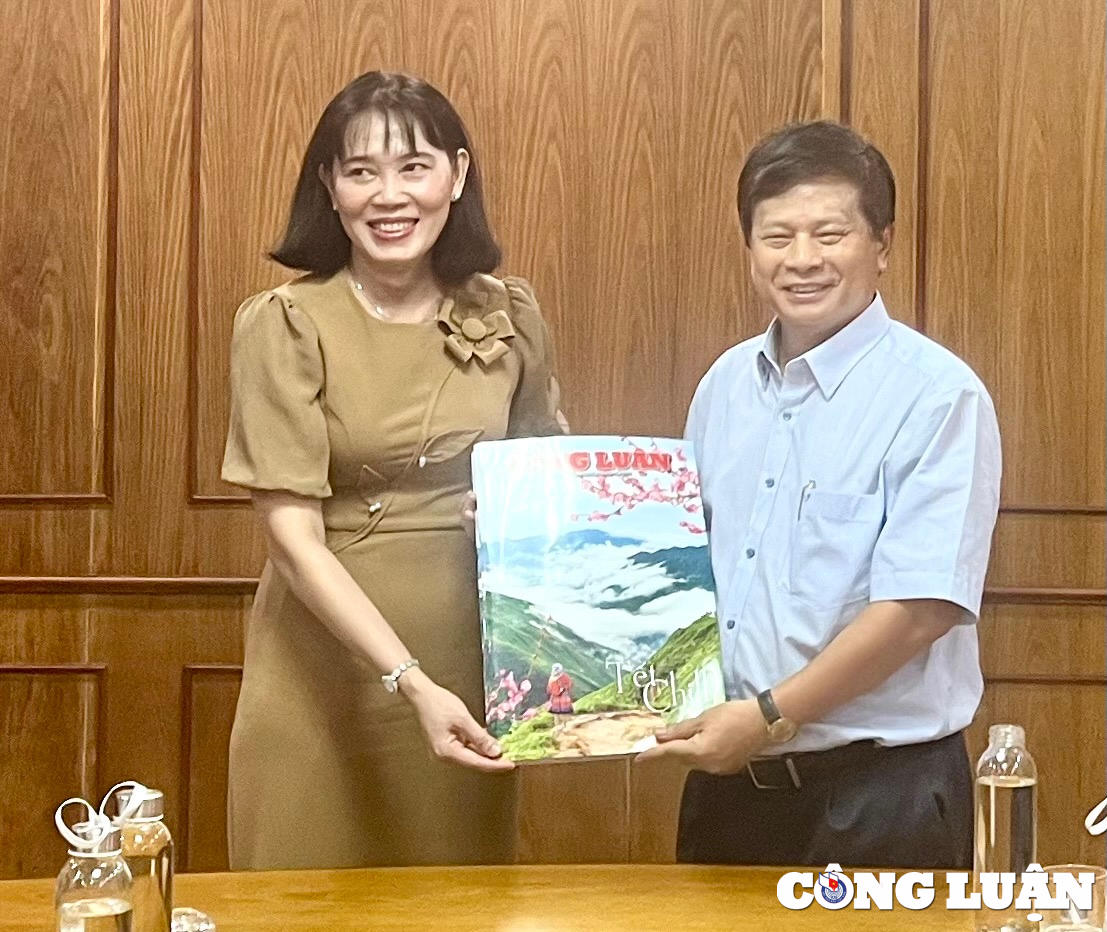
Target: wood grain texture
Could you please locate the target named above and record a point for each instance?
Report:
(1017, 251)
(613, 898)
(1061, 641)
(57, 179)
(533, 173)
(38, 630)
(1066, 736)
(885, 99)
(247, 146)
(1049, 551)
(152, 530)
(837, 50)
(1051, 248)
(209, 694)
(50, 742)
(655, 791)
(145, 643)
(602, 159)
(574, 812)
(747, 68)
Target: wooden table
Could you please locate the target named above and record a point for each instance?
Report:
(611, 898)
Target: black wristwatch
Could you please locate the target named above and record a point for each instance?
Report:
(780, 729)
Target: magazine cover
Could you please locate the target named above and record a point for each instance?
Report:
(596, 596)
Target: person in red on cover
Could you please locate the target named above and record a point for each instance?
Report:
(559, 689)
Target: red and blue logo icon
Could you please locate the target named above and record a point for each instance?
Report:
(833, 889)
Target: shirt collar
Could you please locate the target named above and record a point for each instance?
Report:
(831, 361)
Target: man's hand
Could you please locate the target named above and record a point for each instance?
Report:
(720, 741)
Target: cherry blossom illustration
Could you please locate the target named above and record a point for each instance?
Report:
(624, 490)
(508, 695)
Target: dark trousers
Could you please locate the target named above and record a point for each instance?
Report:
(860, 806)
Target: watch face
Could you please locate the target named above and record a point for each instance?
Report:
(782, 730)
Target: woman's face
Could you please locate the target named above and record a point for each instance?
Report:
(393, 201)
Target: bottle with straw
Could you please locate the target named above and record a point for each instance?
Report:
(93, 891)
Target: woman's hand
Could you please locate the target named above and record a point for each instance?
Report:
(452, 733)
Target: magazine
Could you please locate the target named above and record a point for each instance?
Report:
(597, 601)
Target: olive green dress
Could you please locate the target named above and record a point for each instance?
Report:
(376, 420)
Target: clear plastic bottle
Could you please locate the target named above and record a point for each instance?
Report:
(93, 892)
(148, 850)
(1005, 838)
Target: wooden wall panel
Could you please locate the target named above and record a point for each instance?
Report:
(757, 66)
(91, 694)
(1062, 642)
(1066, 736)
(574, 812)
(961, 208)
(1045, 669)
(146, 642)
(286, 64)
(1050, 551)
(50, 727)
(582, 228)
(209, 694)
(1016, 252)
(884, 40)
(1051, 249)
(57, 95)
(40, 630)
(655, 791)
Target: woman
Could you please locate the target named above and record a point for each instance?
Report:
(357, 393)
(559, 688)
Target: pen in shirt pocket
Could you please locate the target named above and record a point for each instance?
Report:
(805, 493)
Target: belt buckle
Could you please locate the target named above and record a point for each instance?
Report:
(793, 774)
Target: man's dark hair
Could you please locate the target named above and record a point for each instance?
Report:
(314, 240)
(817, 151)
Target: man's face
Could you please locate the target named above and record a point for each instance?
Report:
(814, 261)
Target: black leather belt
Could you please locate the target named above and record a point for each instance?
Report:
(788, 771)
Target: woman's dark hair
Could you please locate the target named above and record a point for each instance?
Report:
(314, 240)
(806, 152)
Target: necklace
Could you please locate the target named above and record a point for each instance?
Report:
(376, 308)
(372, 305)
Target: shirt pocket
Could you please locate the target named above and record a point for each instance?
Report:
(831, 549)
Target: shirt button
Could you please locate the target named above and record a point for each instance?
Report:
(729, 623)
(769, 483)
(751, 553)
(787, 415)
(375, 507)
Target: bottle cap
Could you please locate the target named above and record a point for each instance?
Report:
(150, 808)
(98, 838)
(92, 837)
(1007, 736)
(133, 803)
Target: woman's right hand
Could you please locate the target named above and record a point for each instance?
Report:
(451, 732)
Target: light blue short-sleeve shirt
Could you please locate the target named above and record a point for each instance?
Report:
(866, 470)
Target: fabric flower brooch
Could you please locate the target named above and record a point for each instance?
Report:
(476, 323)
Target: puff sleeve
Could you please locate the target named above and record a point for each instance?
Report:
(535, 405)
(277, 437)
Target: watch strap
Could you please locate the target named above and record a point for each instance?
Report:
(768, 707)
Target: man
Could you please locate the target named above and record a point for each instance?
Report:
(850, 470)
